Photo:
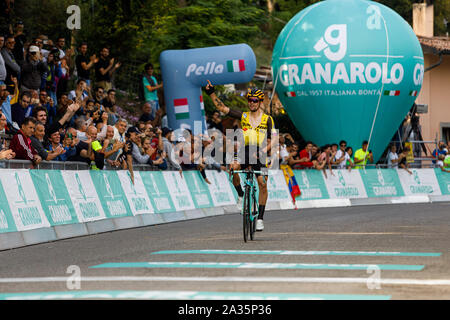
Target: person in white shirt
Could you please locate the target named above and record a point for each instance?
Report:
(392, 157)
(284, 153)
(341, 157)
(80, 92)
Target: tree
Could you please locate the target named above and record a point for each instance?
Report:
(203, 23)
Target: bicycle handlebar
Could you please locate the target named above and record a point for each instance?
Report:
(263, 173)
(245, 171)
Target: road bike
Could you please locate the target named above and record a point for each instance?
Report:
(249, 210)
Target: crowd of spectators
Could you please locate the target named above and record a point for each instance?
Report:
(329, 156)
(341, 156)
(59, 104)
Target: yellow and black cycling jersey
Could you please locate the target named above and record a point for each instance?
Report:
(254, 135)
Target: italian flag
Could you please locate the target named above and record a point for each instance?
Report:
(235, 65)
(202, 105)
(413, 93)
(290, 94)
(181, 108)
(391, 92)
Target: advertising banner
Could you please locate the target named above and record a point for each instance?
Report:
(179, 191)
(55, 199)
(277, 188)
(23, 200)
(136, 194)
(343, 184)
(84, 197)
(185, 72)
(198, 189)
(311, 184)
(443, 179)
(112, 197)
(359, 73)
(7, 223)
(420, 182)
(220, 188)
(157, 191)
(382, 183)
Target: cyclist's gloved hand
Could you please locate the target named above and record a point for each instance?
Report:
(209, 89)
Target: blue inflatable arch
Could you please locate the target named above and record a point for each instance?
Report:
(184, 73)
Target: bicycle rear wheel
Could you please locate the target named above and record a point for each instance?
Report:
(246, 214)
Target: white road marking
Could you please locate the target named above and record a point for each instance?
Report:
(417, 282)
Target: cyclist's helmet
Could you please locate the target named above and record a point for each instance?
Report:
(254, 92)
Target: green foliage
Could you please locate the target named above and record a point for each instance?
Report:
(202, 24)
(43, 17)
(404, 9)
(230, 100)
(441, 12)
(141, 29)
(284, 11)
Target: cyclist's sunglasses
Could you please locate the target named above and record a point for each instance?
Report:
(254, 100)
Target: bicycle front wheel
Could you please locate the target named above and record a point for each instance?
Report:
(254, 214)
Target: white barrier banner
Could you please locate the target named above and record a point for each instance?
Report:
(311, 184)
(420, 182)
(343, 184)
(23, 200)
(443, 179)
(179, 191)
(136, 195)
(157, 190)
(277, 188)
(220, 188)
(198, 188)
(84, 197)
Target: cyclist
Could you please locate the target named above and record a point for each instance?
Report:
(258, 129)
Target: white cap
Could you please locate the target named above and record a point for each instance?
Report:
(33, 49)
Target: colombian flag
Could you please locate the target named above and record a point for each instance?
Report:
(291, 181)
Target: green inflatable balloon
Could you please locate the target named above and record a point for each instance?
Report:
(348, 70)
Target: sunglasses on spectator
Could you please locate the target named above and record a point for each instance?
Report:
(254, 100)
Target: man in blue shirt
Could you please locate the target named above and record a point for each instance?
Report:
(439, 150)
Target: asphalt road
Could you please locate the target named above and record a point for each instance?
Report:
(365, 252)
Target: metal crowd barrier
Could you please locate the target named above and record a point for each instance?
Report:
(68, 165)
(72, 165)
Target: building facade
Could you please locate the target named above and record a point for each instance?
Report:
(435, 90)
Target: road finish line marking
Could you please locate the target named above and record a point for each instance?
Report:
(416, 282)
(305, 253)
(184, 295)
(249, 265)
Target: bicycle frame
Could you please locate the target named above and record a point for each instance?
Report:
(250, 181)
(249, 205)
